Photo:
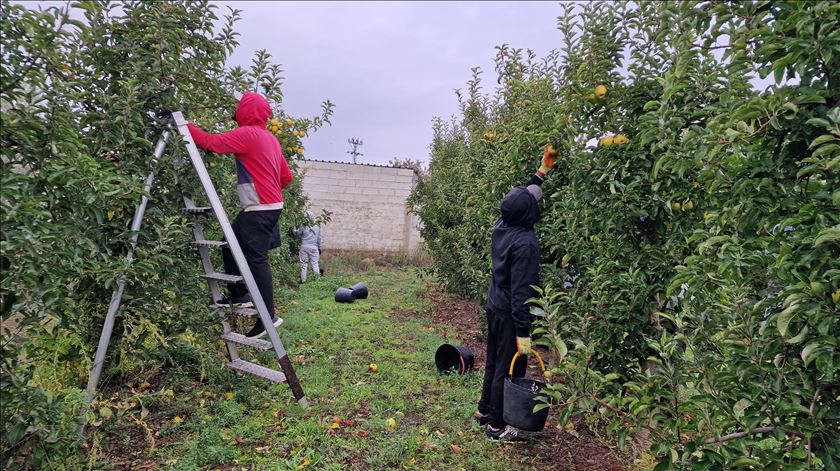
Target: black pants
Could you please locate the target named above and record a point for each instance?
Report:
(501, 346)
(256, 232)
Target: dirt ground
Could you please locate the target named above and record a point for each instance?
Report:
(555, 449)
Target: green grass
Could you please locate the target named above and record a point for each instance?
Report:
(262, 427)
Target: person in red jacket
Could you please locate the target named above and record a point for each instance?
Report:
(262, 173)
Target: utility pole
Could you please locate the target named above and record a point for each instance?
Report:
(355, 152)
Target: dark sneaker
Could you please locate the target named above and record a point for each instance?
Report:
(238, 301)
(482, 419)
(258, 330)
(507, 434)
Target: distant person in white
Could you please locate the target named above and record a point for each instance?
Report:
(310, 246)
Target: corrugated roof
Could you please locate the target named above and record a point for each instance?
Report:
(358, 164)
(346, 163)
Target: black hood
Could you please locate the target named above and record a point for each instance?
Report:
(520, 208)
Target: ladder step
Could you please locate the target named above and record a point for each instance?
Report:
(209, 243)
(223, 277)
(198, 210)
(257, 370)
(240, 339)
(239, 311)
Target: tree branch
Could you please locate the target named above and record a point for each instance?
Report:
(722, 46)
(737, 435)
(755, 431)
(745, 138)
(817, 393)
(615, 410)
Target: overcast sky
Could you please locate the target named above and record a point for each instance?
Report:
(389, 67)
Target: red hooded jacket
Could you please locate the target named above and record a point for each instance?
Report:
(261, 169)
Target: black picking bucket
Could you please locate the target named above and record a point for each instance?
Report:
(520, 398)
(454, 358)
(360, 291)
(344, 295)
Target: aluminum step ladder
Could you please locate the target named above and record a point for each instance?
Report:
(232, 339)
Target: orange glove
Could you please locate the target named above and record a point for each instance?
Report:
(548, 160)
(523, 345)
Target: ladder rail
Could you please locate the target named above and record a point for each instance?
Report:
(116, 297)
(239, 257)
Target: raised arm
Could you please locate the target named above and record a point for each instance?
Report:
(548, 161)
(232, 142)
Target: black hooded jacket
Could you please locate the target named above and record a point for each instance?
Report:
(516, 257)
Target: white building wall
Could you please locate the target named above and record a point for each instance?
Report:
(368, 205)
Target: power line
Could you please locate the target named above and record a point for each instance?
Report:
(355, 142)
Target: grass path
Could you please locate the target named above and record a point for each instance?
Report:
(243, 423)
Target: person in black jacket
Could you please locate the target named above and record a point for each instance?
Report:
(516, 265)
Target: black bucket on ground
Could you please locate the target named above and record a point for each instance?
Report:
(344, 295)
(519, 401)
(360, 291)
(454, 358)
(520, 398)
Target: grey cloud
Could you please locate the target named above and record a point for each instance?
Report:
(389, 67)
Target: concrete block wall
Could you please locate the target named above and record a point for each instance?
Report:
(368, 205)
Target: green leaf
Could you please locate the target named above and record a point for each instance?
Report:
(562, 349)
(784, 318)
(811, 350)
(747, 462)
(78, 24)
(821, 140)
(622, 437)
(778, 73)
(826, 236)
(565, 415)
(664, 465)
(564, 262)
(540, 407)
(657, 166)
(819, 122)
(804, 99)
(799, 337)
(651, 105)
